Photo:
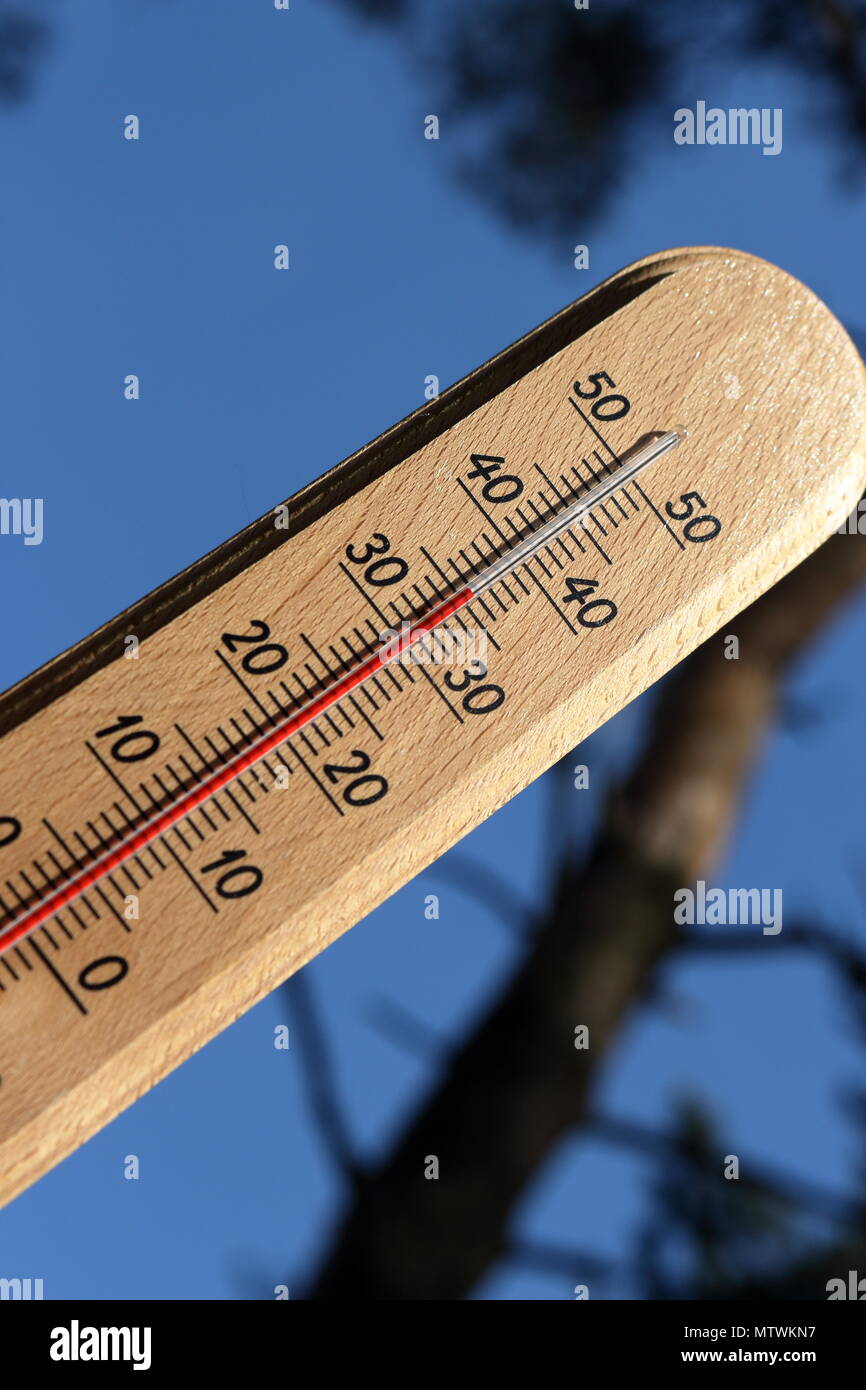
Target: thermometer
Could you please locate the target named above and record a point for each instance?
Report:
(198, 798)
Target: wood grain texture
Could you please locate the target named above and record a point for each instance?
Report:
(772, 393)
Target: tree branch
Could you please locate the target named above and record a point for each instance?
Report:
(517, 1085)
(319, 1077)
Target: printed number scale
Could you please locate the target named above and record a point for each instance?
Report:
(198, 798)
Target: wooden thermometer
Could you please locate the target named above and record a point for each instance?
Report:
(203, 794)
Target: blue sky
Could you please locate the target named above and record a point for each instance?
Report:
(155, 257)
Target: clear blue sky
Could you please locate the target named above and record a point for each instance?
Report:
(155, 257)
